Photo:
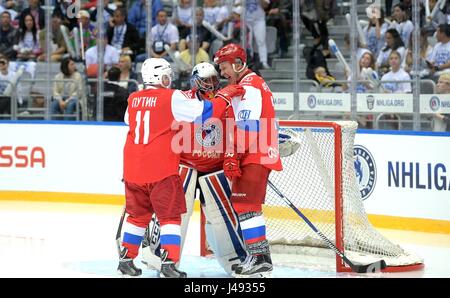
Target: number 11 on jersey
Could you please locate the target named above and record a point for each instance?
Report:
(146, 120)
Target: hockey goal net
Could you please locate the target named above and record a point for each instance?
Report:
(320, 180)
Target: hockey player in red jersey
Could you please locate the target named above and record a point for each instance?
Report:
(201, 168)
(152, 183)
(251, 154)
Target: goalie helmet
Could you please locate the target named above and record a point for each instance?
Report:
(154, 70)
(204, 77)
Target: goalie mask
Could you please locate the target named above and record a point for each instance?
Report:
(204, 77)
(157, 71)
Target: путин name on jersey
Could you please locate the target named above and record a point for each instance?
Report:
(144, 102)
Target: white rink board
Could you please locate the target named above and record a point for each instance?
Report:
(412, 190)
(78, 158)
(88, 159)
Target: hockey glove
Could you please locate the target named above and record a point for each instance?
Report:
(231, 165)
(229, 92)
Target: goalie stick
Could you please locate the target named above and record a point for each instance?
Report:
(373, 267)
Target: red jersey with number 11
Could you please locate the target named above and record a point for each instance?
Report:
(151, 114)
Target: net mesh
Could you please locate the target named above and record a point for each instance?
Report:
(308, 181)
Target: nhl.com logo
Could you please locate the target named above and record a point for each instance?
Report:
(435, 103)
(312, 101)
(366, 170)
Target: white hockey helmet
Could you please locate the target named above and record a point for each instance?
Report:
(154, 70)
(205, 77)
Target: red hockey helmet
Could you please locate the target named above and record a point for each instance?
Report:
(231, 52)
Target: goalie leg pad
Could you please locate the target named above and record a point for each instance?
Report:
(151, 245)
(223, 232)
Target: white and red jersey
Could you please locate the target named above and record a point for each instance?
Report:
(153, 116)
(256, 133)
(206, 148)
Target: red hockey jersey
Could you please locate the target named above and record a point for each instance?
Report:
(154, 117)
(256, 132)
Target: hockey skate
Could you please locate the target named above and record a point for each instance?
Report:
(126, 265)
(169, 269)
(254, 266)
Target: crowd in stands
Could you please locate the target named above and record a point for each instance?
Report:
(386, 54)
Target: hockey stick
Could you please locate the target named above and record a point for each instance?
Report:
(373, 267)
(119, 230)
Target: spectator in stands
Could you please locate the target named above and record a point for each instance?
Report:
(126, 73)
(425, 51)
(317, 11)
(89, 30)
(67, 14)
(440, 17)
(110, 57)
(8, 6)
(397, 73)
(277, 16)
(325, 79)
(9, 36)
(439, 59)
(201, 54)
(360, 49)
(57, 40)
(224, 16)
(441, 122)
(374, 32)
(211, 11)
(115, 97)
(236, 24)
(183, 18)
(36, 11)
(66, 94)
(367, 76)
(137, 15)
(404, 26)
(162, 33)
(204, 35)
(255, 18)
(8, 81)
(121, 34)
(28, 47)
(393, 43)
(108, 12)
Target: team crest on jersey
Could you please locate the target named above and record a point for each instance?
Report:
(366, 170)
(208, 135)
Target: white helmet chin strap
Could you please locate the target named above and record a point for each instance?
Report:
(239, 71)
